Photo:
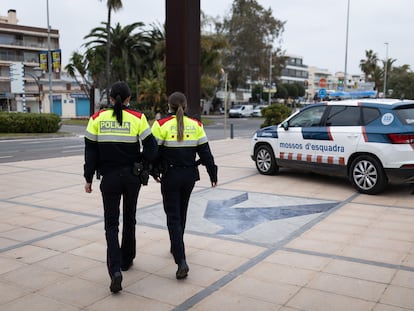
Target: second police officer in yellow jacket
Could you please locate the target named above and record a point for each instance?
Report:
(180, 138)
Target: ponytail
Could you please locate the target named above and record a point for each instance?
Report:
(180, 123)
(178, 103)
(118, 109)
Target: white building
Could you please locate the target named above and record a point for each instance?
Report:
(22, 47)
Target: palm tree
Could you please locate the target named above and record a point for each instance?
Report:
(153, 89)
(114, 5)
(77, 69)
(128, 48)
(369, 64)
(211, 62)
(150, 50)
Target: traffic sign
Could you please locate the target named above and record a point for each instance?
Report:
(16, 77)
(322, 93)
(322, 83)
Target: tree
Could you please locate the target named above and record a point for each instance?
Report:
(211, 63)
(152, 94)
(292, 88)
(250, 31)
(369, 65)
(274, 114)
(401, 82)
(112, 5)
(387, 65)
(124, 46)
(132, 50)
(77, 69)
(282, 91)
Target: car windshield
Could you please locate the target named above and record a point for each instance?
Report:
(406, 115)
(236, 107)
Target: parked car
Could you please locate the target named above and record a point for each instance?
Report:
(257, 111)
(239, 111)
(371, 141)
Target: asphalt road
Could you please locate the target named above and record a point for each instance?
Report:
(13, 150)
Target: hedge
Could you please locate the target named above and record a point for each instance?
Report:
(29, 122)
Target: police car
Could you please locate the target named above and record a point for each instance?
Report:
(371, 141)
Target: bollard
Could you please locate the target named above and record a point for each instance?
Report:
(231, 131)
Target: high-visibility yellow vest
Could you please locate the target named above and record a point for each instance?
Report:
(165, 132)
(103, 127)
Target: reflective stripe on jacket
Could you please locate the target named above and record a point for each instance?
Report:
(182, 153)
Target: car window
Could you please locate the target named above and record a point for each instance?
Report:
(344, 116)
(406, 115)
(370, 114)
(308, 117)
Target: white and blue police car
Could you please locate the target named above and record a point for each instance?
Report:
(371, 141)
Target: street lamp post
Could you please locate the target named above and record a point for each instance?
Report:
(270, 77)
(36, 76)
(49, 59)
(385, 69)
(346, 49)
(225, 102)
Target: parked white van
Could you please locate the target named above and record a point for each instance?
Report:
(239, 111)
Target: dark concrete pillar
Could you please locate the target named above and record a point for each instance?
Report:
(183, 51)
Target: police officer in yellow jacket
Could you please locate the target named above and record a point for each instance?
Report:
(180, 139)
(112, 146)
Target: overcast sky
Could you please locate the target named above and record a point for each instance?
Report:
(314, 29)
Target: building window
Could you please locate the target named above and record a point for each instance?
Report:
(6, 39)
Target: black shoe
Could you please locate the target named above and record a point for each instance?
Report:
(182, 271)
(116, 281)
(127, 266)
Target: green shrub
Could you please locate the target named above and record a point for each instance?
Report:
(274, 114)
(29, 122)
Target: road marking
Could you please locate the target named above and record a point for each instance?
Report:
(68, 147)
(5, 157)
(69, 151)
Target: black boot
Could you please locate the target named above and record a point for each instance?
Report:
(182, 270)
(126, 266)
(116, 280)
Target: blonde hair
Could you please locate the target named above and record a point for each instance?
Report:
(178, 103)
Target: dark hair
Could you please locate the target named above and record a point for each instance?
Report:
(178, 103)
(119, 92)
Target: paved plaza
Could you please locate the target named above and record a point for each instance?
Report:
(295, 241)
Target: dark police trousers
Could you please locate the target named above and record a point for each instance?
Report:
(176, 187)
(114, 185)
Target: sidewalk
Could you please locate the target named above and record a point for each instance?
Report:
(294, 241)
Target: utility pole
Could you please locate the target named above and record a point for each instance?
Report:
(49, 60)
(385, 69)
(270, 76)
(346, 50)
(225, 104)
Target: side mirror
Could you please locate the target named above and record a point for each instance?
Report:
(285, 125)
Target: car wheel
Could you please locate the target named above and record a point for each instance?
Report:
(367, 175)
(265, 161)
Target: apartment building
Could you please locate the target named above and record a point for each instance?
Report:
(26, 48)
(295, 70)
(22, 45)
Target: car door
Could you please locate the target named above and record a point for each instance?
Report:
(299, 136)
(344, 124)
